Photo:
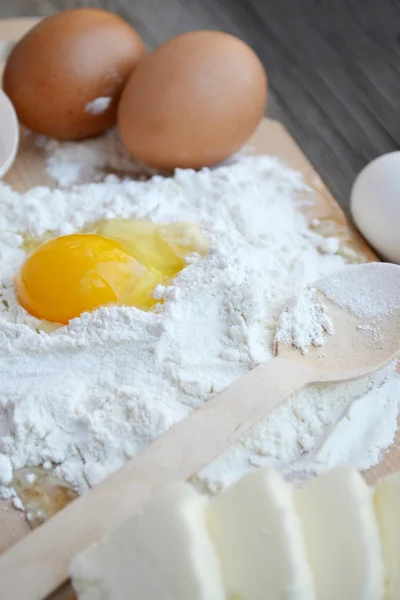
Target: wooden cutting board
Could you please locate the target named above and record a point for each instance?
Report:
(270, 138)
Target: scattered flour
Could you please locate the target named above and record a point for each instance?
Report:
(70, 163)
(304, 322)
(17, 503)
(330, 245)
(92, 394)
(31, 478)
(317, 429)
(6, 470)
(98, 106)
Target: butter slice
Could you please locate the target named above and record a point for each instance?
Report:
(387, 506)
(259, 540)
(164, 553)
(342, 536)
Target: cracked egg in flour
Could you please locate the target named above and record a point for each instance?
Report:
(120, 264)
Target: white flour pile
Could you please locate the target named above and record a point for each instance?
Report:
(92, 394)
(305, 321)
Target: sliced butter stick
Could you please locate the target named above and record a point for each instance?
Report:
(387, 506)
(258, 537)
(164, 553)
(342, 536)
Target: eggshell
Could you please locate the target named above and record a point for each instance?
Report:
(375, 205)
(193, 101)
(66, 75)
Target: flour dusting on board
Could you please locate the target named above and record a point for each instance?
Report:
(92, 394)
(70, 163)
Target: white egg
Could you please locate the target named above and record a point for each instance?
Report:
(375, 205)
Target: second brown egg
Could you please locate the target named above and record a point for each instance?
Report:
(193, 101)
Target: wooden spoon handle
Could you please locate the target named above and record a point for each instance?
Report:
(37, 565)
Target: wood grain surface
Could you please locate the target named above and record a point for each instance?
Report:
(333, 66)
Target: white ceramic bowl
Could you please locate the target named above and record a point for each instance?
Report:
(9, 133)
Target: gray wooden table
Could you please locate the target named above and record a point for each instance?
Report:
(333, 65)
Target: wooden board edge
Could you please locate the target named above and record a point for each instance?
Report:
(12, 29)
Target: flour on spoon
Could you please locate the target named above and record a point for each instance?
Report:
(304, 322)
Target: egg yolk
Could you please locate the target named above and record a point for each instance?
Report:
(76, 273)
(120, 263)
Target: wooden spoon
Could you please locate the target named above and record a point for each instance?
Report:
(36, 566)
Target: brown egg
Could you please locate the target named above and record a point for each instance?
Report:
(193, 101)
(66, 75)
